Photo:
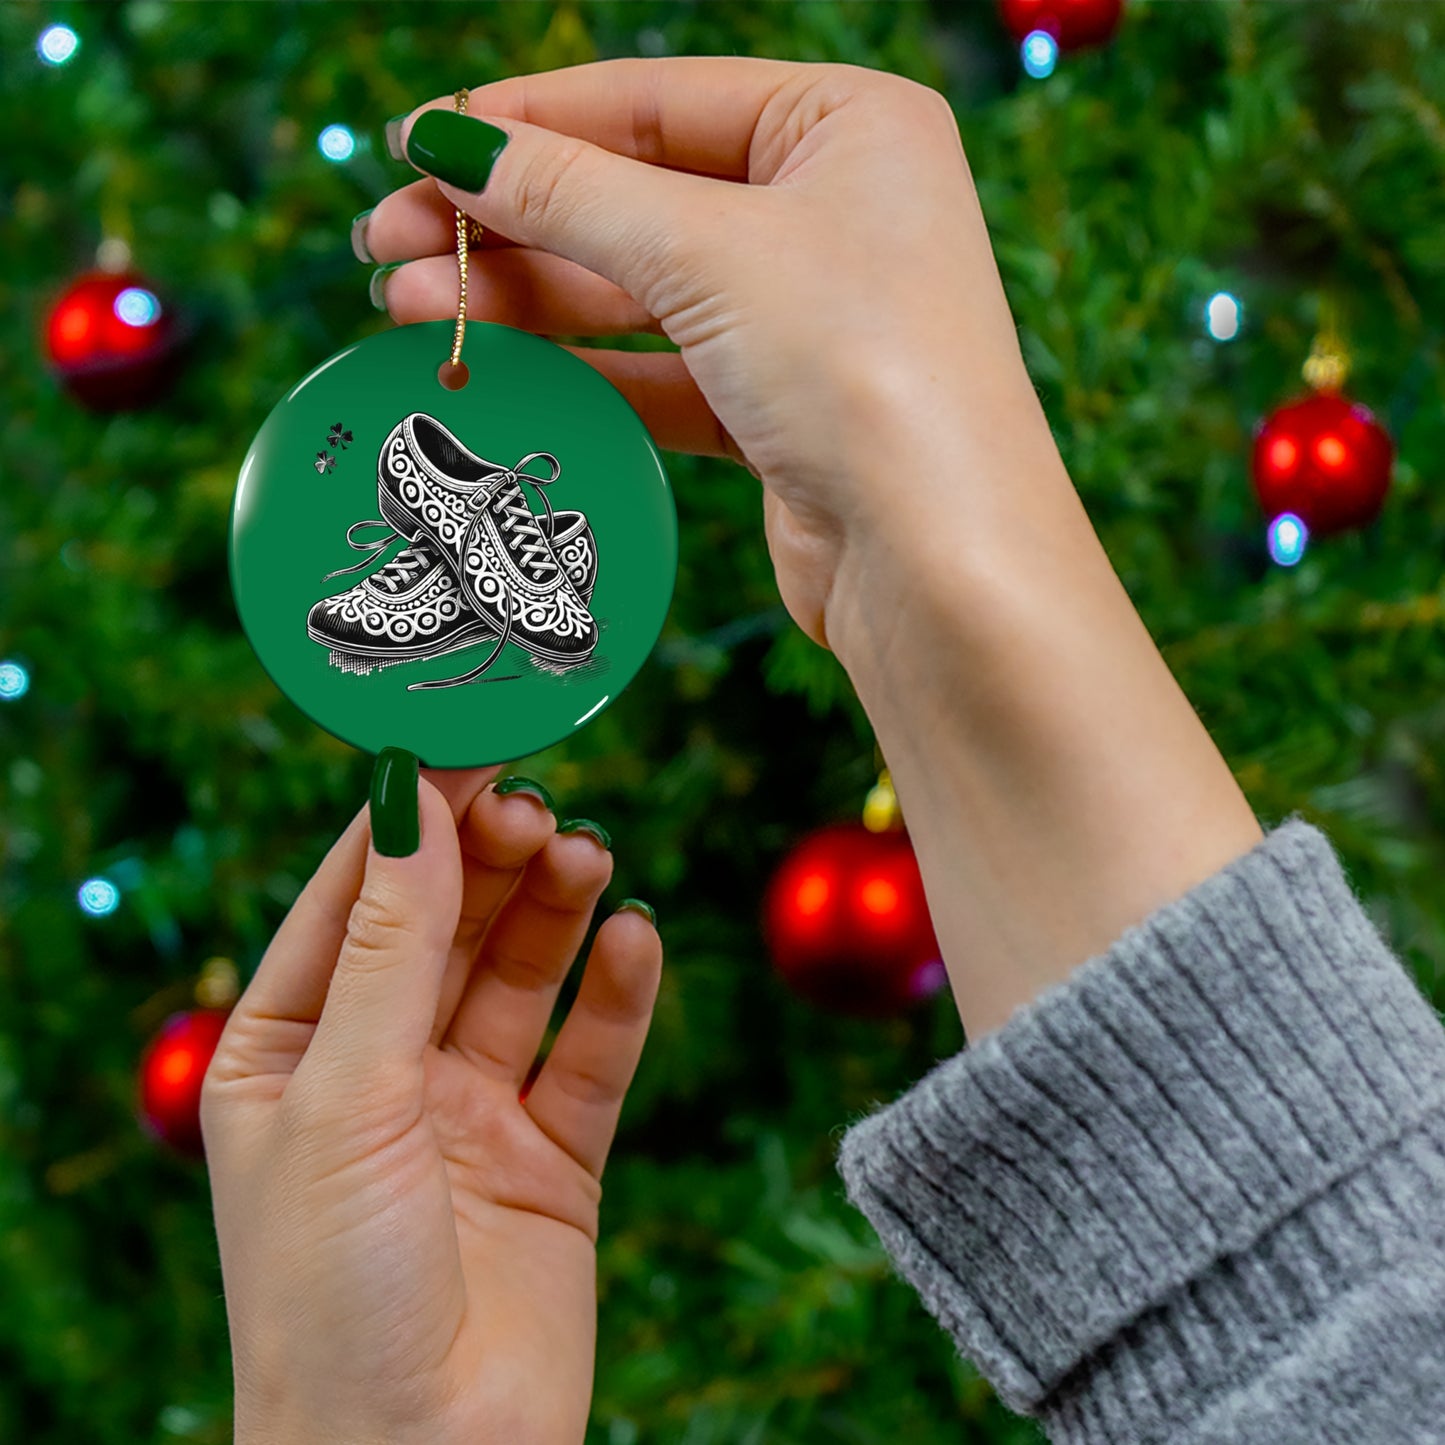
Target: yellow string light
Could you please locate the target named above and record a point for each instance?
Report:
(219, 985)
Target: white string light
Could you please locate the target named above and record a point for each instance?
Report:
(1223, 316)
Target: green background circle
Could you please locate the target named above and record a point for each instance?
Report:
(289, 521)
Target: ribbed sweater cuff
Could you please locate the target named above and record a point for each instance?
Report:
(1170, 1110)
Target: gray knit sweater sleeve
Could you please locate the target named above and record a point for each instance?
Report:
(1196, 1192)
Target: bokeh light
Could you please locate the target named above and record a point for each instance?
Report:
(1282, 454)
(1287, 538)
(98, 897)
(14, 681)
(929, 978)
(879, 897)
(57, 44)
(336, 143)
(138, 307)
(177, 1066)
(812, 896)
(1040, 53)
(1223, 316)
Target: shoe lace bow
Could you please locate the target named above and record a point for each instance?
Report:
(515, 521)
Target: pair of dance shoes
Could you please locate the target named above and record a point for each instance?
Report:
(479, 564)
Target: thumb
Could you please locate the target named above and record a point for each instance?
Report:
(382, 999)
(636, 224)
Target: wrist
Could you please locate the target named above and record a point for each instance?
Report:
(1057, 784)
(955, 510)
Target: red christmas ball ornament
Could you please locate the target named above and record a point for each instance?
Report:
(847, 923)
(171, 1072)
(1073, 23)
(111, 341)
(1324, 458)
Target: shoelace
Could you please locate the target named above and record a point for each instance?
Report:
(515, 521)
(404, 568)
(521, 533)
(524, 539)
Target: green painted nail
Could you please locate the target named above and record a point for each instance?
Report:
(455, 148)
(377, 287)
(395, 812)
(359, 247)
(586, 825)
(530, 787)
(636, 905)
(393, 137)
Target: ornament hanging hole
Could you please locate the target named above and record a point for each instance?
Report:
(453, 375)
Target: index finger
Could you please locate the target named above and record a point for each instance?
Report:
(693, 113)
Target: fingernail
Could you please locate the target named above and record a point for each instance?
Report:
(393, 137)
(528, 786)
(395, 813)
(377, 287)
(636, 905)
(455, 148)
(359, 247)
(586, 825)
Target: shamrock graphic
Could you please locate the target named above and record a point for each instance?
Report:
(336, 435)
(324, 462)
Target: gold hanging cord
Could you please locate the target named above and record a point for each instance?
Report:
(469, 233)
(1328, 365)
(881, 813)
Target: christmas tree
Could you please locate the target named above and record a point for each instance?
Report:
(1212, 162)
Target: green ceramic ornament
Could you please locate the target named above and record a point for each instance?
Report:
(471, 575)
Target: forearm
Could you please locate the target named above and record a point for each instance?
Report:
(1057, 783)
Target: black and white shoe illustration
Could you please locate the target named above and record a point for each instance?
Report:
(474, 515)
(414, 607)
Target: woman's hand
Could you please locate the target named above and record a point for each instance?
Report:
(408, 1246)
(831, 312)
(810, 237)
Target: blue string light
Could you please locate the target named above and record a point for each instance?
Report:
(1040, 53)
(336, 143)
(1287, 538)
(14, 681)
(57, 44)
(137, 307)
(98, 897)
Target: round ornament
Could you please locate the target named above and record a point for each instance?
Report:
(847, 922)
(111, 341)
(1073, 24)
(1324, 458)
(171, 1073)
(469, 574)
